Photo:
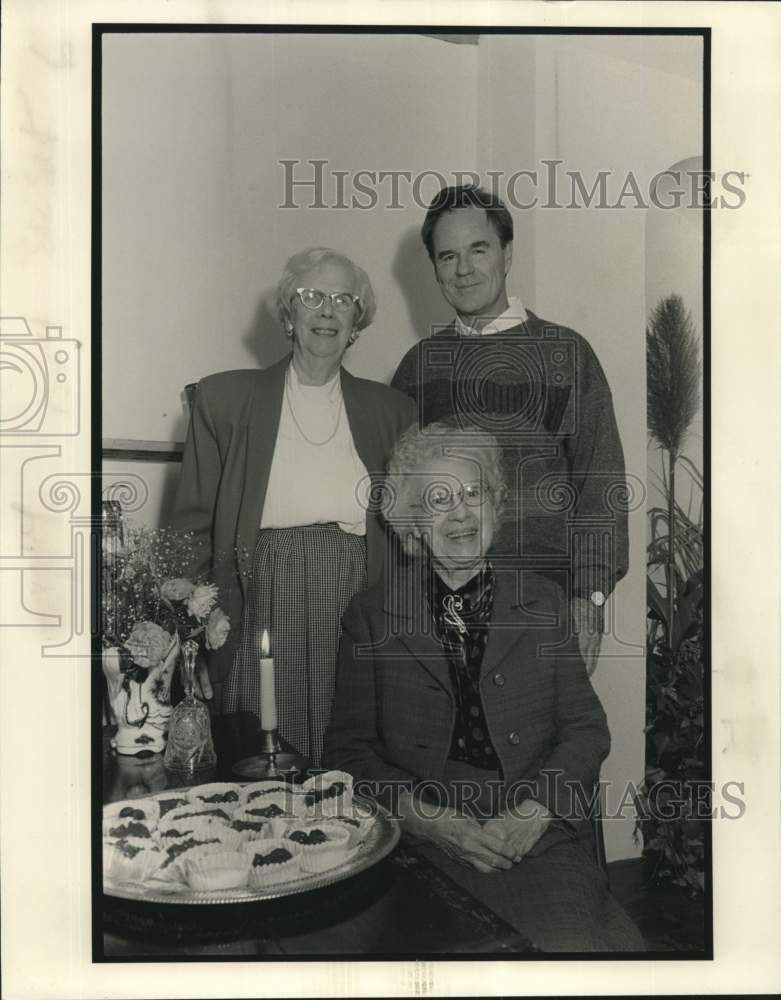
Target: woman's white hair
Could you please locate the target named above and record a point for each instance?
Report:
(409, 458)
(304, 261)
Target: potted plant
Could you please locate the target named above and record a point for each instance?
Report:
(670, 804)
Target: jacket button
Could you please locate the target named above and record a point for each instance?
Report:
(514, 738)
(498, 679)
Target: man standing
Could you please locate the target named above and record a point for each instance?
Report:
(541, 391)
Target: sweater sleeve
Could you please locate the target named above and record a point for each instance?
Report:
(600, 541)
(407, 415)
(406, 376)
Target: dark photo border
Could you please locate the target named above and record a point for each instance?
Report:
(99, 31)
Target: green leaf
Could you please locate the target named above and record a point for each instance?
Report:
(661, 741)
(656, 602)
(687, 613)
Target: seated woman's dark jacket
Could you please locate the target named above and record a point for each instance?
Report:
(394, 709)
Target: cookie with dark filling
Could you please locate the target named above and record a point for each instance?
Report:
(248, 825)
(308, 837)
(175, 851)
(271, 811)
(273, 861)
(329, 792)
(224, 797)
(166, 805)
(322, 847)
(128, 828)
(131, 860)
(276, 856)
(130, 813)
(214, 813)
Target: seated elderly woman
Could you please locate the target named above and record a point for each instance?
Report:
(274, 471)
(463, 704)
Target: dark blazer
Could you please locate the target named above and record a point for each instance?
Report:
(394, 709)
(226, 465)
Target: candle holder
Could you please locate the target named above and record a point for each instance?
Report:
(271, 762)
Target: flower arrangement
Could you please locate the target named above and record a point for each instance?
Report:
(151, 606)
(148, 602)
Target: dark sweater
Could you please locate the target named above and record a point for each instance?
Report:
(541, 391)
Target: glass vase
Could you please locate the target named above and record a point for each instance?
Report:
(189, 746)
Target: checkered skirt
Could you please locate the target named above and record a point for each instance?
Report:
(302, 581)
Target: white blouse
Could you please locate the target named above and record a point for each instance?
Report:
(316, 473)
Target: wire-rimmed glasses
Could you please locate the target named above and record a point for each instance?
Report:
(441, 498)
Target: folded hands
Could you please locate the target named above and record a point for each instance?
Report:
(493, 845)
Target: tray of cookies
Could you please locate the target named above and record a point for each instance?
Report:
(231, 842)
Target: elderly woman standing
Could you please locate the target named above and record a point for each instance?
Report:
(274, 481)
(463, 703)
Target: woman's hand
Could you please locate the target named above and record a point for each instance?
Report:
(521, 828)
(587, 621)
(459, 836)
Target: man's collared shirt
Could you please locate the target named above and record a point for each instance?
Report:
(513, 315)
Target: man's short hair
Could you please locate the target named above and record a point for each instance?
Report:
(467, 196)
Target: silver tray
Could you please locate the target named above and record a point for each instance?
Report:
(382, 838)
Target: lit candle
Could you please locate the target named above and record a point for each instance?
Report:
(268, 698)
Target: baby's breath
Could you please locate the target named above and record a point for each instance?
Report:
(133, 576)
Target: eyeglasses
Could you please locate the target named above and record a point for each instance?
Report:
(313, 298)
(439, 498)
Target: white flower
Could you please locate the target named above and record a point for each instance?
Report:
(202, 600)
(177, 590)
(148, 644)
(217, 628)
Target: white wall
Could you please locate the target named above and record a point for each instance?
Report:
(194, 127)
(601, 253)
(194, 240)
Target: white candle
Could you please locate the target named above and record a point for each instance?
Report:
(268, 698)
